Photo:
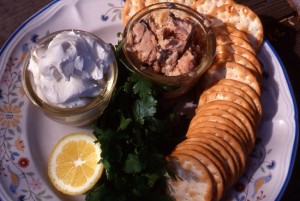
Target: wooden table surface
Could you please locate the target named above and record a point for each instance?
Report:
(281, 26)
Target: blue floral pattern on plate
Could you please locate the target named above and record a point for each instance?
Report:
(114, 12)
(13, 160)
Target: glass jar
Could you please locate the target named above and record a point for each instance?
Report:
(172, 85)
(76, 116)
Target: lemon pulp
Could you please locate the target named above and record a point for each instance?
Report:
(74, 166)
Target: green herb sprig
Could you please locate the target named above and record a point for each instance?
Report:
(135, 136)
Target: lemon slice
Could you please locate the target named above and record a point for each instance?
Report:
(74, 165)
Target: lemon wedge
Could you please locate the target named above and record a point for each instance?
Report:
(74, 167)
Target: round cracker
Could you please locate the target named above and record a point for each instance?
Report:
(232, 57)
(210, 152)
(226, 128)
(219, 122)
(229, 30)
(249, 90)
(235, 49)
(131, 7)
(241, 116)
(230, 139)
(210, 165)
(233, 159)
(225, 156)
(243, 137)
(239, 107)
(219, 87)
(242, 18)
(224, 39)
(229, 70)
(227, 96)
(218, 119)
(194, 180)
(206, 7)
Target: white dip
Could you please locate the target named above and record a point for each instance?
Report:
(71, 70)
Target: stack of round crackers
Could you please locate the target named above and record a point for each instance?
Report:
(223, 131)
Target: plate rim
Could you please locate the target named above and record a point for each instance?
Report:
(296, 119)
(266, 41)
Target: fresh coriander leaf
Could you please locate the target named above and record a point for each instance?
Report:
(132, 164)
(142, 87)
(144, 108)
(124, 123)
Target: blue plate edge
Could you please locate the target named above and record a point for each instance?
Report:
(295, 146)
(294, 152)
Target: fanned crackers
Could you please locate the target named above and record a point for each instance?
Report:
(229, 108)
(222, 133)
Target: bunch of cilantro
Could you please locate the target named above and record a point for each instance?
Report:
(135, 134)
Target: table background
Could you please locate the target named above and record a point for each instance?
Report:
(281, 26)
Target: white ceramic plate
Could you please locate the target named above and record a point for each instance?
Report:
(27, 136)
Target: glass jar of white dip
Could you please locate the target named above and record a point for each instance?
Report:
(70, 75)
